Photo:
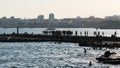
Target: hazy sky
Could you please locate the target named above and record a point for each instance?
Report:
(61, 8)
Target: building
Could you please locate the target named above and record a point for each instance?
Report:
(40, 18)
(51, 17)
(113, 18)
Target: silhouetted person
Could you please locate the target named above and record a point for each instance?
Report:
(115, 33)
(76, 33)
(95, 33)
(85, 51)
(102, 33)
(85, 33)
(90, 64)
(80, 33)
(98, 33)
(14, 67)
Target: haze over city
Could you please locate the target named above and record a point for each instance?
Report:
(61, 8)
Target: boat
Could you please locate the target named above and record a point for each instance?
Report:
(50, 28)
(109, 58)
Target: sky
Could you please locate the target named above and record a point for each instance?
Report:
(61, 8)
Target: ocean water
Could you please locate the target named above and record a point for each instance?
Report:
(51, 54)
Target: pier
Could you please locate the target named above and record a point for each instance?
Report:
(92, 41)
(64, 36)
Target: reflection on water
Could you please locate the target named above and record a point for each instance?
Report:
(49, 55)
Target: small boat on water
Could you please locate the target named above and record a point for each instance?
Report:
(50, 28)
(109, 57)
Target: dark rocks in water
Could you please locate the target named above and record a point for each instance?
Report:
(107, 54)
(109, 57)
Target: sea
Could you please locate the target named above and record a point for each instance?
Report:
(52, 54)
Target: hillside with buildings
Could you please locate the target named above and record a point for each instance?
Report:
(112, 22)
